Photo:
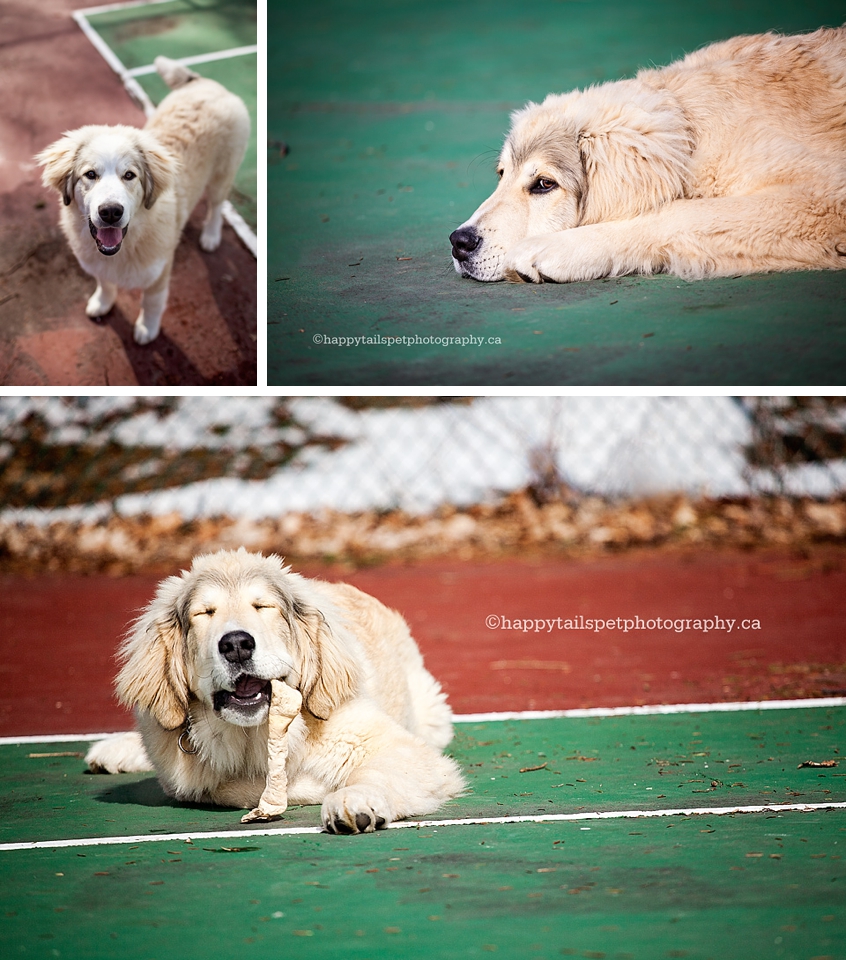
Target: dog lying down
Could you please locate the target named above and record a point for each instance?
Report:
(730, 161)
(127, 193)
(254, 687)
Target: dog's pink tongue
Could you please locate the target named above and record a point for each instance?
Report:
(249, 686)
(109, 236)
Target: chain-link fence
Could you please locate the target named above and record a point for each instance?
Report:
(249, 462)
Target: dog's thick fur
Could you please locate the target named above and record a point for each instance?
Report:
(730, 161)
(367, 744)
(127, 193)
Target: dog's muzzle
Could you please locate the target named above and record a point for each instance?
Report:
(108, 239)
(250, 693)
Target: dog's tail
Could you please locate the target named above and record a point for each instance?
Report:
(174, 74)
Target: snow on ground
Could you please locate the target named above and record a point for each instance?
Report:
(419, 458)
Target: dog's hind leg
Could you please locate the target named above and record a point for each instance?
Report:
(223, 175)
(212, 227)
(153, 303)
(122, 753)
(216, 193)
(102, 300)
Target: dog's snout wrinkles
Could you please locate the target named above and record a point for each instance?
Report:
(464, 241)
(237, 646)
(110, 212)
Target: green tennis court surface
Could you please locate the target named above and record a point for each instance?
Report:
(394, 112)
(217, 38)
(578, 837)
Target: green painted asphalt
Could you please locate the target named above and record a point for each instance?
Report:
(181, 28)
(728, 887)
(677, 761)
(393, 113)
(188, 28)
(745, 887)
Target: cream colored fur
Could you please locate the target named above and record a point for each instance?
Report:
(194, 142)
(730, 161)
(367, 744)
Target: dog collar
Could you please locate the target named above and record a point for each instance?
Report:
(185, 738)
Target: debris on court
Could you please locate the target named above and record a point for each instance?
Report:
(814, 763)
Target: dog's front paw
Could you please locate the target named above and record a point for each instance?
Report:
(144, 330)
(583, 253)
(354, 810)
(530, 261)
(100, 302)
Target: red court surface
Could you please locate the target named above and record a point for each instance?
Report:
(58, 634)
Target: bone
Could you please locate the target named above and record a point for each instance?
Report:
(285, 704)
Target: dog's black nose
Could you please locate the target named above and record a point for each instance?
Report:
(236, 646)
(464, 241)
(110, 212)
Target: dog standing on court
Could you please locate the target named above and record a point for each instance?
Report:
(127, 193)
(730, 161)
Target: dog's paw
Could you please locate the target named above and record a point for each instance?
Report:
(354, 810)
(144, 331)
(583, 253)
(531, 261)
(210, 237)
(123, 753)
(100, 302)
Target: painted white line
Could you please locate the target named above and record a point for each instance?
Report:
(100, 44)
(427, 824)
(241, 227)
(111, 7)
(56, 738)
(198, 58)
(654, 710)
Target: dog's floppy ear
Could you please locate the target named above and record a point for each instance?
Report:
(153, 675)
(329, 672)
(158, 170)
(59, 162)
(635, 148)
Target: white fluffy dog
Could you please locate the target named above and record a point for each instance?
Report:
(127, 193)
(730, 161)
(198, 665)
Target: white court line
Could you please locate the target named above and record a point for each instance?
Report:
(139, 94)
(654, 710)
(110, 7)
(198, 58)
(427, 824)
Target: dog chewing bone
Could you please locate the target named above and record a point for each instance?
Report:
(285, 703)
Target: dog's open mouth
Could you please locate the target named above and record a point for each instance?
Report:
(108, 239)
(249, 693)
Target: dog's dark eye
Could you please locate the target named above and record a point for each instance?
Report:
(90, 174)
(208, 612)
(262, 606)
(543, 185)
(499, 173)
(129, 175)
